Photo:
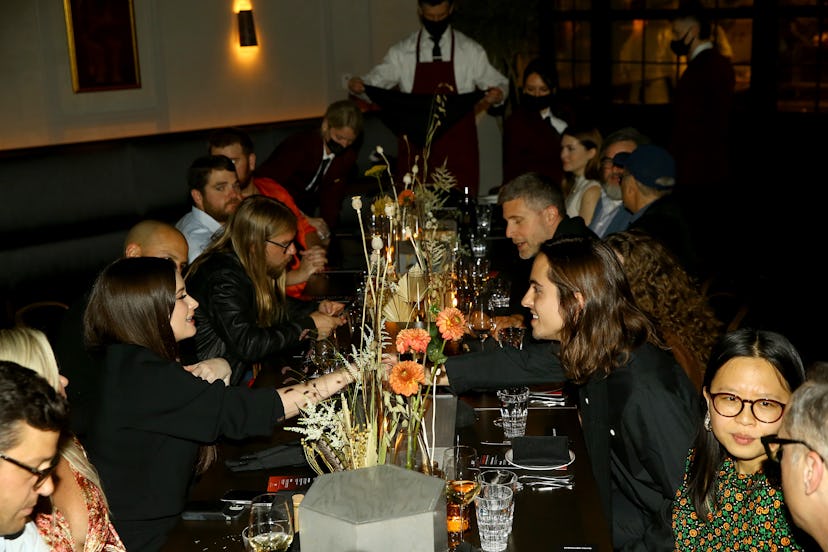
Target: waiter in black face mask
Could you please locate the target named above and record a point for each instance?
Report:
(701, 133)
(532, 132)
(316, 166)
(438, 59)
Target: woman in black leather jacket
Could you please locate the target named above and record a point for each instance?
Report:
(239, 281)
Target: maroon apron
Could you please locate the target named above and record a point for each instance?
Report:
(456, 145)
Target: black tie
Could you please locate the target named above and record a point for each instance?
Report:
(436, 55)
(319, 174)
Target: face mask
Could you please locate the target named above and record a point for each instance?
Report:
(536, 103)
(335, 147)
(679, 47)
(435, 28)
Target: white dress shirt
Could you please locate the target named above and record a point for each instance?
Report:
(472, 69)
(28, 541)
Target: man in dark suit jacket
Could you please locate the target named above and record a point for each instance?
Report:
(316, 166)
(647, 192)
(703, 103)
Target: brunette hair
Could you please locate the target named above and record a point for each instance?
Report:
(27, 398)
(709, 452)
(30, 347)
(223, 137)
(597, 336)
(131, 302)
(590, 138)
(546, 70)
(670, 296)
(245, 235)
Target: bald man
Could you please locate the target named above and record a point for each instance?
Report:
(153, 238)
(148, 238)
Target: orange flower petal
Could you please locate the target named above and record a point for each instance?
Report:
(406, 377)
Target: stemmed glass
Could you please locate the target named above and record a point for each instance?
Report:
(460, 469)
(271, 523)
(480, 320)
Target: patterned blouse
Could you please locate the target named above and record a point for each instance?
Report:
(750, 515)
(101, 535)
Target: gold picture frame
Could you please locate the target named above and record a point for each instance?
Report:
(103, 49)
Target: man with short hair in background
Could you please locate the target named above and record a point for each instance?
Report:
(610, 215)
(215, 193)
(803, 437)
(312, 235)
(33, 416)
(647, 187)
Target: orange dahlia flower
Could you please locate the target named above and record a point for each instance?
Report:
(451, 323)
(413, 340)
(406, 377)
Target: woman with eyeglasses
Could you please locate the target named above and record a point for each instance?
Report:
(78, 517)
(153, 415)
(726, 501)
(239, 280)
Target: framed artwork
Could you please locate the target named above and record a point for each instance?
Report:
(103, 49)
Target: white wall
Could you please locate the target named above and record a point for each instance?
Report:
(193, 73)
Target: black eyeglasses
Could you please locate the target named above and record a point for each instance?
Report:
(775, 454)
(41, 475)
(764, 410)
(284, 246)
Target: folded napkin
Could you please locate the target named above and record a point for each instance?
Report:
(540, 450)
(275, 457)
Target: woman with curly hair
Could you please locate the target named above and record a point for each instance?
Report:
(670, 297)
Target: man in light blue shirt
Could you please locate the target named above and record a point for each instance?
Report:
(610, 215)
(216, 194)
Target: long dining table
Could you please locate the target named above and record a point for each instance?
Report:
(549, 519)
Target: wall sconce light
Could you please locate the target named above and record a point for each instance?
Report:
(247, 29)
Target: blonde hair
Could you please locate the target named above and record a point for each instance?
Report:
(30, 348)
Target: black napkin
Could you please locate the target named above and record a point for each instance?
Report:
(540, 450)
(275, 457)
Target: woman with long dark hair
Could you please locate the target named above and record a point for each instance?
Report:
(726, 501)
(153, 415)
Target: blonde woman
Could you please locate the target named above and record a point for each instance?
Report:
(79, 519)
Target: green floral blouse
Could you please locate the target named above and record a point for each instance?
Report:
(750, 515)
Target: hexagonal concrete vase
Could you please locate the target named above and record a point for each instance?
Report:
(374, 509)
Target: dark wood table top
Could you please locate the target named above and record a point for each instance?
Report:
(544, 520)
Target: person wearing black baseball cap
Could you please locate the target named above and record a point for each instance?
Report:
(646, 190)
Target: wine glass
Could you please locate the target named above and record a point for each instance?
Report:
(460, 473)
(480, 320)
(271, 523)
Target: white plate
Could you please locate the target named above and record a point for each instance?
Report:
(508, 456)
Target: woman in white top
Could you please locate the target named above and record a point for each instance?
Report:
(581, 165)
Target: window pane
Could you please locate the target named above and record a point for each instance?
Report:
(572, 52)
(643, 65)
(799, 80)
(734, 40)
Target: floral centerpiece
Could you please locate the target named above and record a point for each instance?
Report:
(381, 415)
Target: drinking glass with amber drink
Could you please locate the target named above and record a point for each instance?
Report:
(460, 469)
